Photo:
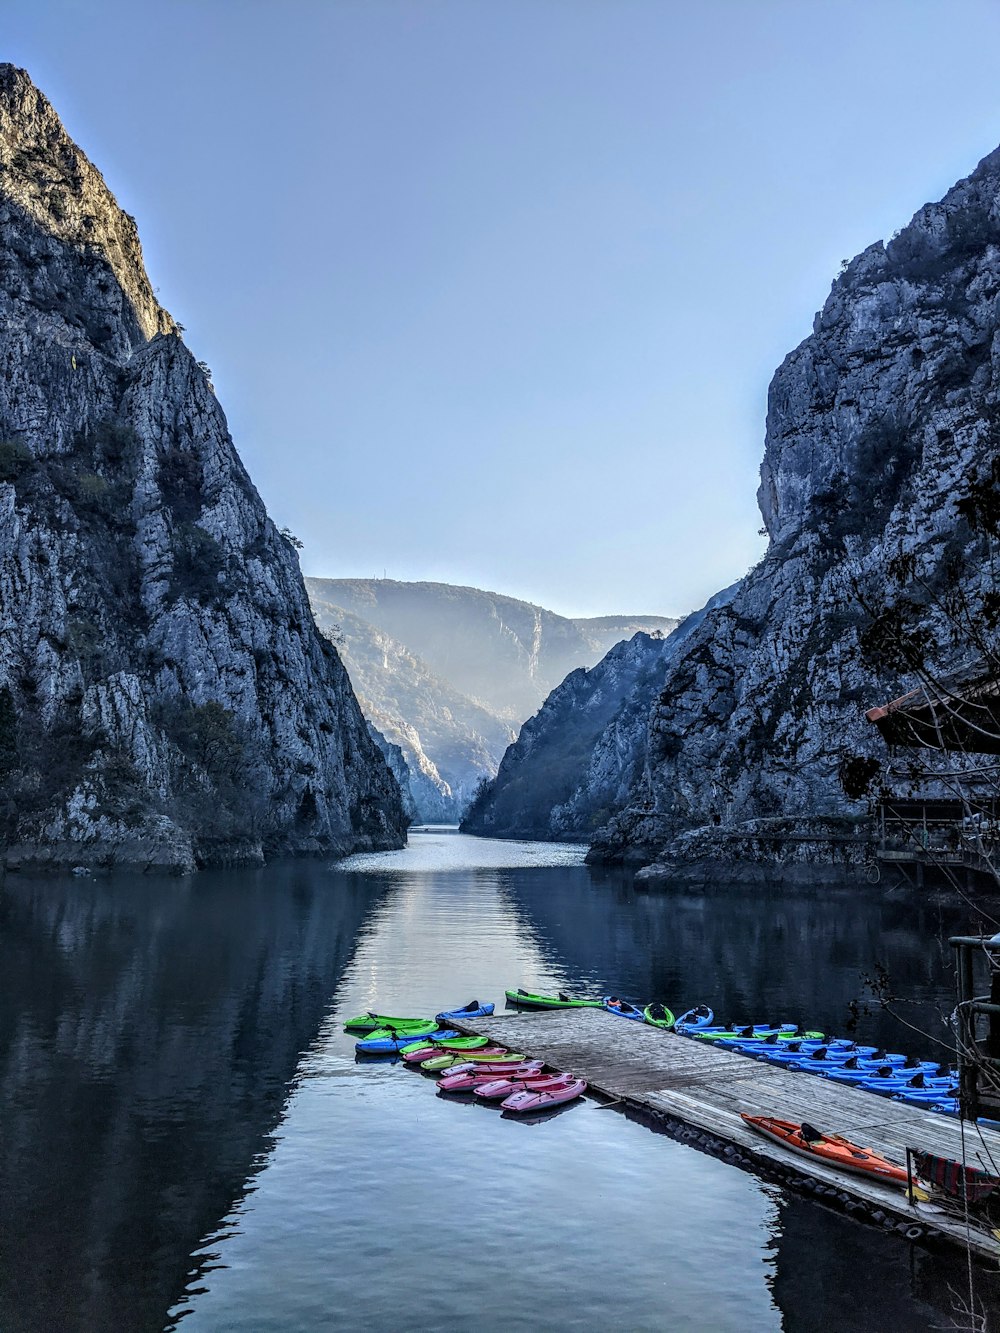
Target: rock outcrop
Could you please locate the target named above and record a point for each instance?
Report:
(876, 423)
(444, 672)
(165, 697)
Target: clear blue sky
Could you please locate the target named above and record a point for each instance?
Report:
(492, 290)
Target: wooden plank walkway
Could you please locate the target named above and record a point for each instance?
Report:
(695, 1084)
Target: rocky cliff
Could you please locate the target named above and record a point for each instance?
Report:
(444, 672)
(877, 423)
(446, 739)
(165, 697)
(577, 760)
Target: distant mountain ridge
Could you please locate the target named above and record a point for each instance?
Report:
(448, 673)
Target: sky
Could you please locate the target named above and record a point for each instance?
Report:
(492, 290)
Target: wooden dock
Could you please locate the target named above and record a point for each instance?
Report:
(685, 1083)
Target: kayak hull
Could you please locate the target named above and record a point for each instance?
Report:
(694, 1019)
(471, 1010)
(520, 1103)
(500, 1088)
(386, 1045)
(470, 1079)
(487, 1055)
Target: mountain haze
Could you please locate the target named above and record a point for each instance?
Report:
(449, 673)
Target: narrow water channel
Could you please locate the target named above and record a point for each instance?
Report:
(188, 1141)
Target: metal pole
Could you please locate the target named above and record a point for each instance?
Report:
(967, 1027)
(909, 1178)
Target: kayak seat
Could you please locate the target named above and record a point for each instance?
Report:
(809, 1133)
(563, 996)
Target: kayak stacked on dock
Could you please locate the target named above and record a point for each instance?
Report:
(657, 1015)
(470, 1064)
(905, 1078)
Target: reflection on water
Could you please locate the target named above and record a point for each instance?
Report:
(185, 1127)
(149, 1031)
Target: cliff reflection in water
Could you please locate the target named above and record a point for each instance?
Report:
(146, 1048)
(783, 955)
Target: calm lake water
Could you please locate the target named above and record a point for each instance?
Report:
(187, 1141)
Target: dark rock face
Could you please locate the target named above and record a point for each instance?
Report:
(583, 753)
(875, 423)
(545, 787)
(165, 697)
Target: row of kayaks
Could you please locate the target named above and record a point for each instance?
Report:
(925, 1083)
(473, 1065)
(656, 1014)
(371, 1022)
(519, 1086)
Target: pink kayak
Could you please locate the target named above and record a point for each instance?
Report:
(495, 1068)
(503, 1087)
(474, 1075)
(432, 1052)
(425, 1053)
(529, 1100)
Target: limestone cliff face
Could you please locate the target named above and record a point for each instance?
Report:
(875, 423)
(165, 697)
(447, 740)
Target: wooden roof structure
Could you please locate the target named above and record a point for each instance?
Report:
(963, 717)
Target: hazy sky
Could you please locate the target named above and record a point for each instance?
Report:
(492, 290)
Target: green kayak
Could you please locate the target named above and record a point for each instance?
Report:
(659, 1015)
(372, 1022)
(448, 1058)
(527, 999)
(741, 1034)
(449, 1044)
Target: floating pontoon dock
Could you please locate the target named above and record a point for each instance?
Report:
(689, 1085)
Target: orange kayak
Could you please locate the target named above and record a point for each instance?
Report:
(833, 1149)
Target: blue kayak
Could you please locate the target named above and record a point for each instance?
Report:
(695, 1019)
(472, 1010)
(787, 1052)
(755, 1036)
(386, 1045)
(622, 1008)
(883, 1076)
(824, 1059)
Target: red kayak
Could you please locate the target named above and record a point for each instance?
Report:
(833, 1149)
(529, 1100)
(475, 1075)
(503, 1087)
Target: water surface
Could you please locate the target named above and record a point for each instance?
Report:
(188, 1140)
